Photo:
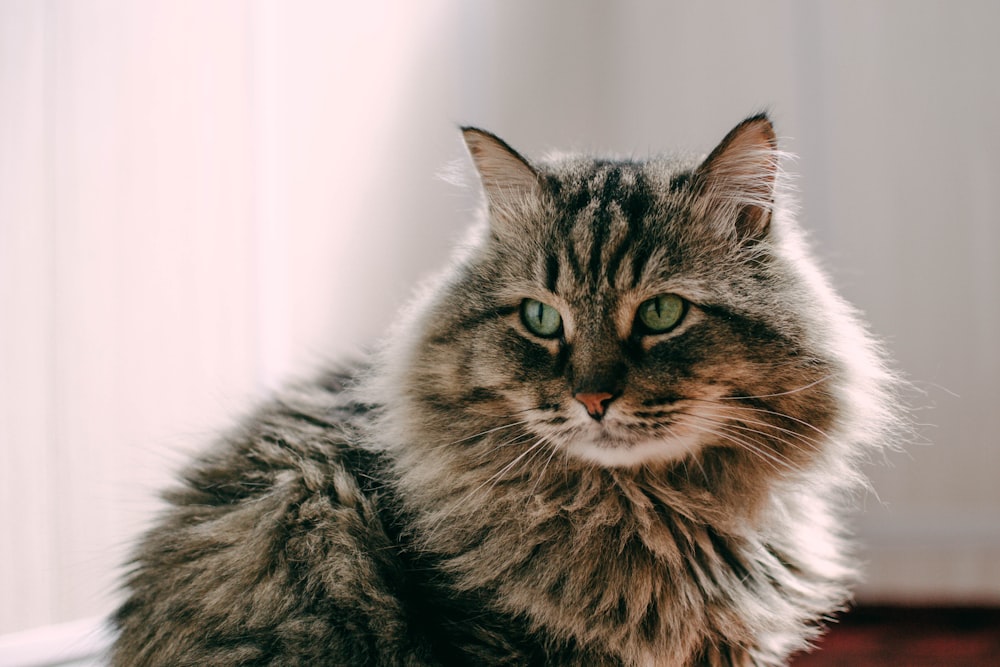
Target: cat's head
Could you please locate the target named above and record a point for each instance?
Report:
(626, 312)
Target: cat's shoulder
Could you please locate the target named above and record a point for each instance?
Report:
(307, 432)
(288, 510)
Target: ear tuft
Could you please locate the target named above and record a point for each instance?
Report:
(507, 177)
(737, 179)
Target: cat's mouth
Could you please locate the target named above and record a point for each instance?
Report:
(616, 441)
(612, 450)
(630, 432)
(628, 438)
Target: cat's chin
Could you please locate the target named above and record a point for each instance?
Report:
(613, 453)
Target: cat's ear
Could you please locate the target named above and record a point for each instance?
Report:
(736, 181)
(508, 179)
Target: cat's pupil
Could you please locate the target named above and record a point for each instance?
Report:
(540, 318)
(660, 314)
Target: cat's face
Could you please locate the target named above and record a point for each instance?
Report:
(626, 313)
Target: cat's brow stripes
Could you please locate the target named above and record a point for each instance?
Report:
(574, 261)
(636, 206)
(589, 212)
(610, 190)
(551, 272)
(615, 258)
(640, 257)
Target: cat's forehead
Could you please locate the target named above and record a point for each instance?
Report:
(609, 222)
(633, 186)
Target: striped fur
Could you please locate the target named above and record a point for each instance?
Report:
(450, 502)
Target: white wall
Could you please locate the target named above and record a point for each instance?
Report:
(198, 199)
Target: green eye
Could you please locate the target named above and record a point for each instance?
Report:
(661, 313)
(541, 318)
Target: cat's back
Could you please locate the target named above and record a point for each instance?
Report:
(276, 548)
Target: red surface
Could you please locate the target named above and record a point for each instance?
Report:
(910, 637)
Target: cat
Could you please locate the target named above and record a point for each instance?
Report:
(620, 430)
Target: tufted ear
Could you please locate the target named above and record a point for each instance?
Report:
(736, 181)
(507, 178)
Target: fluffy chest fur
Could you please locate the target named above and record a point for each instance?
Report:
(647, 568)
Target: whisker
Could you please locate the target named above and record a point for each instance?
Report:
(815, 444)
(482, 433)
(516, 440)
(772, 438)
(668, 428)
(743, 444)
(491, 481)
(495, 479)
(544, 467)
(780, 393)
(768, 457)
(778, 414)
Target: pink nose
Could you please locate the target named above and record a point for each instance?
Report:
(596, 403)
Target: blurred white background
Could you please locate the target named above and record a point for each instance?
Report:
(202, 198)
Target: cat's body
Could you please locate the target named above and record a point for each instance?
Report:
(619, 432)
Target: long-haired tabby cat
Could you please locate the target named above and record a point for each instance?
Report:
(618, 431)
